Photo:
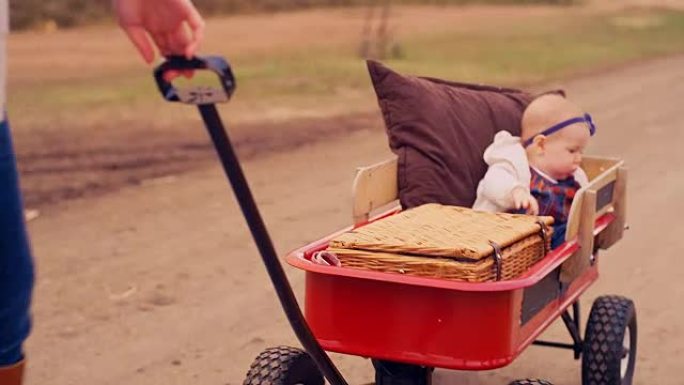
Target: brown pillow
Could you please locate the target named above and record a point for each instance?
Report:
(440, 129)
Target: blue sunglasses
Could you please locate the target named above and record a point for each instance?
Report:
(580, 119)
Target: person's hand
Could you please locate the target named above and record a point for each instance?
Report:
(522, 199)
(174, 26)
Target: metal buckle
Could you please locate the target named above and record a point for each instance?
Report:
(497, 259)
(544, 232)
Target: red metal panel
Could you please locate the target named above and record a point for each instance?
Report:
(420, 325)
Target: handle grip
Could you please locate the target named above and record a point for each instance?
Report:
(196, 95)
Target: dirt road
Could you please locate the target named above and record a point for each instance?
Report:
(161, 284)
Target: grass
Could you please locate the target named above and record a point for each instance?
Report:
(330, 79)
(532, 54)
(537, 53)
(529, 54)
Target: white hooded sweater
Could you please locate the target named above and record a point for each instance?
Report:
(508, 169)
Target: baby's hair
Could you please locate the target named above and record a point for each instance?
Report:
(546, 111)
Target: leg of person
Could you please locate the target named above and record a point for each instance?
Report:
(16, 267)
(556, 240)
(558, 236)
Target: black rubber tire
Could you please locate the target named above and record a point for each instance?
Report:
(529, 381)
(283, 365)
(610, 319)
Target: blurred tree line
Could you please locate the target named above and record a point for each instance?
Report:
(25, 14)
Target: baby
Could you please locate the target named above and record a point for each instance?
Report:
(540, 172)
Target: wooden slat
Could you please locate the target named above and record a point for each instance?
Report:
(608, 173)
(601, 172)
(576, 264)
(594, 166)
(613, 233)
(374, 186)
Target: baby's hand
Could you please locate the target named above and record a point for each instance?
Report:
(522, 199)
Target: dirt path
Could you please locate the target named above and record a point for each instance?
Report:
(161, 284)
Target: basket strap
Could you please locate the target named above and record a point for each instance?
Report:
(497, 259)
(544, 232)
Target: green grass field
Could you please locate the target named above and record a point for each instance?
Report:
(527, 54)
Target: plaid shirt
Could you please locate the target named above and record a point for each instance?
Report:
(554, 199)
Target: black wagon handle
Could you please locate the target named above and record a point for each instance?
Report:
(197, 95)
(231, 166)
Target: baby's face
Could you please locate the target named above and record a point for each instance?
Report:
(563, 153)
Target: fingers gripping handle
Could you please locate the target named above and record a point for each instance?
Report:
(197, 95)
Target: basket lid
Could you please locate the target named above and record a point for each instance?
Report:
(441, 231)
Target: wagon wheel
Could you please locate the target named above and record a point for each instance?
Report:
(610, 343)
(530, 382)
(283, 365)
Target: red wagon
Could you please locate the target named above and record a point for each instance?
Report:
(409, 325)
(476, 326)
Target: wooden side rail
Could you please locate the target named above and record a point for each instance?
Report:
(374, 186)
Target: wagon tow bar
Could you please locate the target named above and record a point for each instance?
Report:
(205, 98)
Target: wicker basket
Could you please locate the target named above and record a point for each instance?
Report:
(447, 242)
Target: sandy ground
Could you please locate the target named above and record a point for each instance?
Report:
(160, 282)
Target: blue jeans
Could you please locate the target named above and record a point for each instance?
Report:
(16, 264)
